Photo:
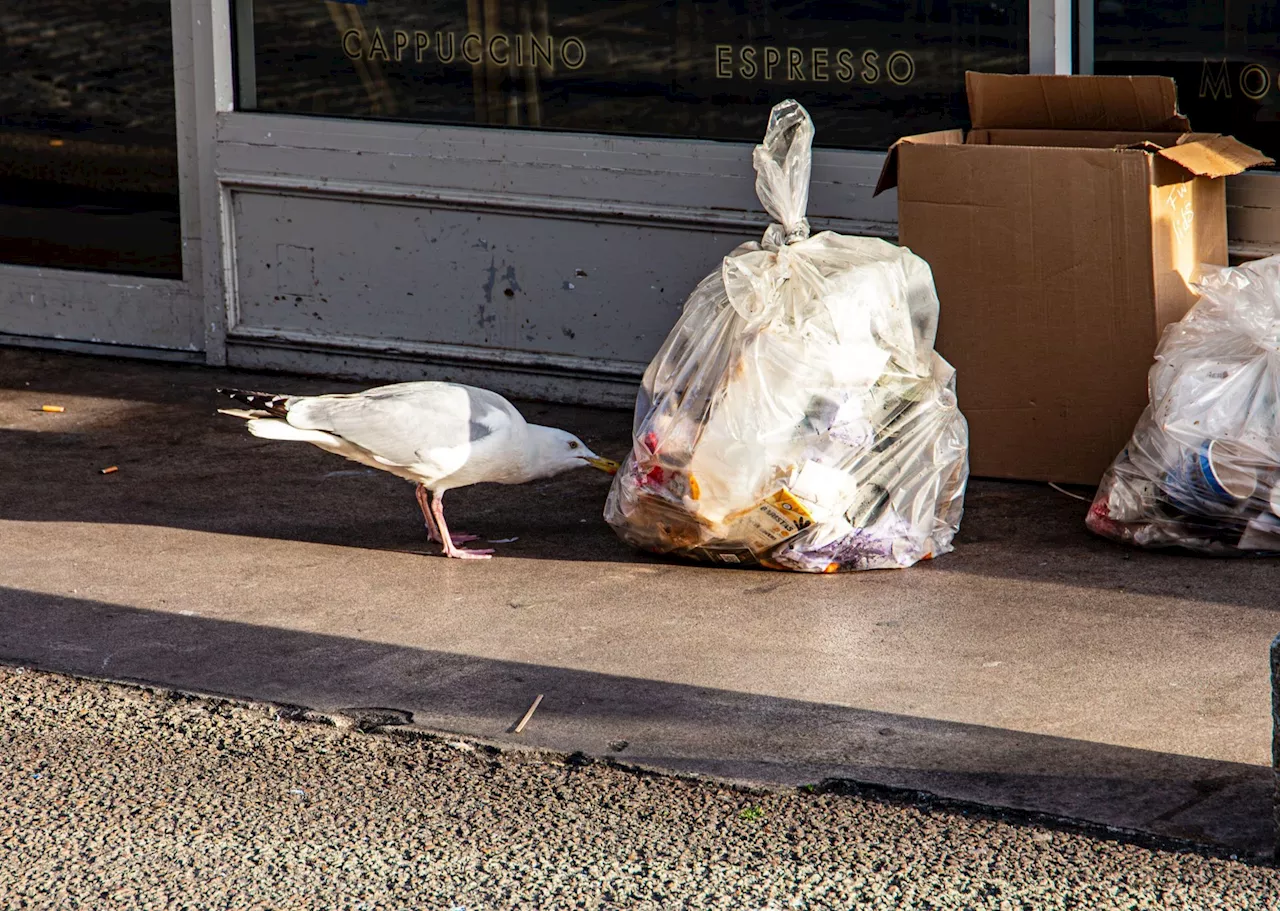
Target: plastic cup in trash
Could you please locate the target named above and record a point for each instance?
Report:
(1227, 468)
(1216, 474)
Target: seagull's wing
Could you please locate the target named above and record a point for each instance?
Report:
(433, 425)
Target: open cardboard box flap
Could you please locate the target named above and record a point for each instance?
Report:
(1212, 155)
(889, 172)
(1136, 104)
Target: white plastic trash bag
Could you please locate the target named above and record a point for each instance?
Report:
(797, 415)
(1202, 470)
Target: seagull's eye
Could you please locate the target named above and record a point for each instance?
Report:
(574, 445)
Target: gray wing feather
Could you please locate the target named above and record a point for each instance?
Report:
(404, 422)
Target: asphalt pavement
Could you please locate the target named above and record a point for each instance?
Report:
(117, 797)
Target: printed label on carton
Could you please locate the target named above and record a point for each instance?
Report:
(769, 523)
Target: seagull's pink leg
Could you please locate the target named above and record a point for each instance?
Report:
(450, 548)
(433, 533)
(424, 501)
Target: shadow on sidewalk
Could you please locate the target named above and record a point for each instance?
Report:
(674, 726)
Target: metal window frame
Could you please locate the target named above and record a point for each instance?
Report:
(1253, 199)
(1050, 37)
(223, 151)
(692, 185)
(697, 185)
(127, 314)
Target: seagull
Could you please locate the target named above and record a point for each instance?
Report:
(440, 436)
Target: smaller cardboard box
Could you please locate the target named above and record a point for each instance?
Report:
(1062, 230)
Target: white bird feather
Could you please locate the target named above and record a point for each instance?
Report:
(440, 436)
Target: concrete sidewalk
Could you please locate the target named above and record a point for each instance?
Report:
(1036, 667)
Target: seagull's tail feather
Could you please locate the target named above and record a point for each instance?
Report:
(275, 405)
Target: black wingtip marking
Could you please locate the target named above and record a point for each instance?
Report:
(277, 405)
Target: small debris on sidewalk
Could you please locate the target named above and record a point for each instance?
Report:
(52, 409)
(110, 469)
(1074, 496)
(527, 715)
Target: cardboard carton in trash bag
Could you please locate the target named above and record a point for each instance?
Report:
(797, 415)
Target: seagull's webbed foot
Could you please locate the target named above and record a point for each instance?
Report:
(467, 553)
(433, 533)
(449, 541)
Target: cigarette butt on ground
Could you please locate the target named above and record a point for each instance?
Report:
(110, 469)
(53, 409)
(529, 714)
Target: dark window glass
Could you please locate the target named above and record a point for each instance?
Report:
(1223, 54)
(868, 71)
(88, 147)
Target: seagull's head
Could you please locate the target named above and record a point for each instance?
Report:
(555, 451)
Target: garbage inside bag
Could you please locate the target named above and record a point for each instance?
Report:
(1202, 469)
(797, 415)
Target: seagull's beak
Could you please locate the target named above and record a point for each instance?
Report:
(608, 466)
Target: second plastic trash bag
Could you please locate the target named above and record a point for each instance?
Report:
(1202, 470)
(797, 415)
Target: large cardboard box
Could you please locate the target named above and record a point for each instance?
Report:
(1061, 232)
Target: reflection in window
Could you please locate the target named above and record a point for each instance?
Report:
(1224, 56)
(88, 149)
(868, 71)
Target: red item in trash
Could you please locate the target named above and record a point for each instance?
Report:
(1099, 521)
(654, 477)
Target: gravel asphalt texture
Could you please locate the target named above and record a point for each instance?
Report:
(130, 798)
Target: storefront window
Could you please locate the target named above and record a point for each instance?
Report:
(88, 142)
(868, 71)
(1223, 54)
